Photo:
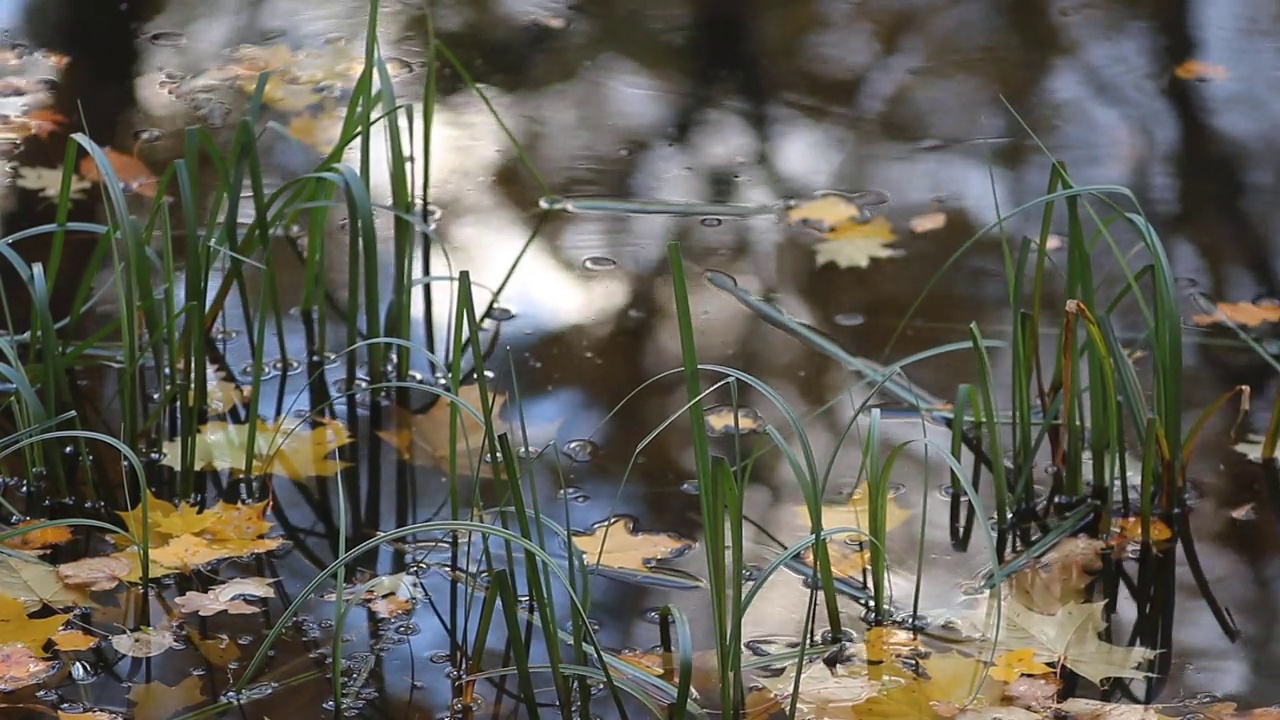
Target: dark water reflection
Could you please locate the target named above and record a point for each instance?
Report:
(748, 101)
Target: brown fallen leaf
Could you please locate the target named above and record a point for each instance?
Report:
(1243, 314)
(95, 573)
(19, 667)
(1033, 693)
(130, 171)
(389, 606)
(1061, 575)
(615, 543)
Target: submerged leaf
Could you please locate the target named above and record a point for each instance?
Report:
(615, 543)
(424, 438)
(157, 701)
(1014, 664)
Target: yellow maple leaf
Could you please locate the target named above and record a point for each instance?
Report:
(856, 244)
(287, 447)
(424, 438)
(615, 543)
(17, 628)
(948, 683)
(157, 511)
(826, 212)
(186, 552)
(319, 130)
(186, 520)
(40, 538)
(1014, 664)
(237, 522)
(68, 640)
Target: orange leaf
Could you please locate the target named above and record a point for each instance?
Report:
(43, 122)
(39, 539)
(1199, 71)
(73, 640)
(1130, 528)
(1242, 313)
(129, 171)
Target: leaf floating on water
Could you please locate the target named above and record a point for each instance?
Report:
(254, 587)
(47, 182)
(423, 438)
(825, 213)
(1130, 529)
(1071, 636)
(1243, 314)
(72, 640)
(1032, 693)
(825, 691)
(208, 604)
(18, 629)
(1014, 664)
(38, 539)
(130, 171)
(319, 130)
(1060, 577)
(288, 447)
(1199, 71)
(157, 701)
(855, 245)
(144, 643)
(943, 688)
(36, 584)
(19, 667)
(722, 420)
(389, 606)
(95, 573)
(615, 543)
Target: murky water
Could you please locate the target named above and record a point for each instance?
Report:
(733, 106)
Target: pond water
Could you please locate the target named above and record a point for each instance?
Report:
(749, 102)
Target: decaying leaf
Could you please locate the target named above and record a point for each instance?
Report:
(855, 245)
(48, 182)
(389, 606)
(18, 629)
(157, 701)
(1244, 314)
(826, 691)
(144, 643)
(1071, 636)
(615, 543)
(1086, 709)
(424, 438)
(95, 573)
(208, 604)
(1199, 71)
(254, 587)
(38, 539)
(19, 667)
(70, 640)
(133, 175)
(1032, 693)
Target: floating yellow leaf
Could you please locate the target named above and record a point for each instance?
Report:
(1014, 664)
(928, 222)
(208, 604)
(157, 701)
(1244, 314)
(287, 447)
(187, 552)
(424, 438)
(17, 628)
(320, 130)
(948, 683)
(144, 642)
(614, 543)
(826, 212)
(38, 539)
(889, 643)
(186, 520)
(1199, 71)
(237, 522)
(1071, 636)
(217, 649)
(1130, 528)
(36, 583)
(855, 244)
(68, 640)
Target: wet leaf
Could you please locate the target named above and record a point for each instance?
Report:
(722, 420)
(17, 628)
(187, 552)
(1014, 664)
(855, 245)
(208, 604)
(648, 662)
(156, 701)
(44, 122)
(237, 522)
(1085, 709)
(401, 585)
(217, 649)
(157, 511)
(1243, 314)
(825, 691)
(615, 543)
(95, 573)
(1033, 693)
(39, 539)
(254, 587)
(70, 640)
(885, 643)
(1070, 636)
(424, 438)
(35, 583)
(133, 175)
(1130, 529)
(1199, 71)
(1061, 575)
(89, 715)
(185, 520)
(133, 558)
(144, 643)
(928, 222)
(288, 447)
(826, 212)
(856, 513)
(48, 182)
(19, 667)
(952, 682)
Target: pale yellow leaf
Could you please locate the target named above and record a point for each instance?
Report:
(615, 543)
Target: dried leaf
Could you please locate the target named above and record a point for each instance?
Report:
(390, 606)
(17, 628)
(144, 643)
(254, 587)
(69, 640)
(1243, 314)
(208, 604)
(95, 573)
(41, 538)
(1032, 693)
(19, 667)
(133, 175)
(156, 701)
(48, 182)
(614, 543)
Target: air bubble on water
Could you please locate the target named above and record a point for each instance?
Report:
(849, 319)
(896, 489)
(711, 222)
(398, 66)
(167, 38)
(285, 366)
(527, 453)
(148, 135)
(438, 657)
(599, 263)
(580, 451)
(498, 313)
(690, 487)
